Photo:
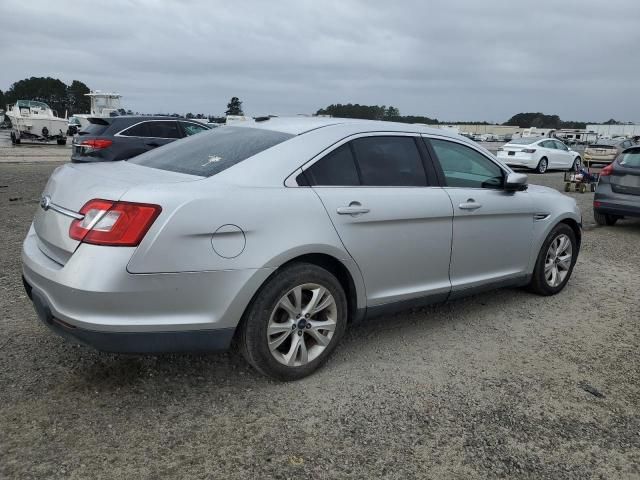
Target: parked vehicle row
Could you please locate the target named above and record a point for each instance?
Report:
(277, 234)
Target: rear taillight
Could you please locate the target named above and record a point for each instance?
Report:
(528, 150)
(606, 171)
(114, 223)
(96, 143)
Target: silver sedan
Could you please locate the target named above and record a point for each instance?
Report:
(277, 234)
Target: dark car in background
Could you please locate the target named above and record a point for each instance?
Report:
(618, 192)
(119, 138)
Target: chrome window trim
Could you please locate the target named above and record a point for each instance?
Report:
(119, 134)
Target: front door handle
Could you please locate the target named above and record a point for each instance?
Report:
(354, 208)
(470, 204)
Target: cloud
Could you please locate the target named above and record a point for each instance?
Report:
(454, 60)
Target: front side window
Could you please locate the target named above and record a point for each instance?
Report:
(164, 129)
(389, 162)
(338, 168)
(465, 167)
(192, 128)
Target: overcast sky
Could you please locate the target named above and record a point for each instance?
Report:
(453, 60)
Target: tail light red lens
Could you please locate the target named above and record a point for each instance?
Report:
(528, 150)
(121, 224)
(97, 143)
(606, 171)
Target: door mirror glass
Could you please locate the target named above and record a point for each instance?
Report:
(515, 182)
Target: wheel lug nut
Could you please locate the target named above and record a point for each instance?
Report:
(306, 316)
(293, 327)
(298, 316)
(299, 332)
(308, 325)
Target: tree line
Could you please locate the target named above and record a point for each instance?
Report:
(52, 91)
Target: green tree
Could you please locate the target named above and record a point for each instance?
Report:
(372, 112)
(189, 115)
(234, 107)
(77, 101)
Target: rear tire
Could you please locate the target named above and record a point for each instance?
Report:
(604, 219)
(577, 163)
(281, 342)
(555, 262)
(543, 164)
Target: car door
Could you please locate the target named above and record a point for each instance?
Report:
(565, 156)
(548, 150)
(161, 132)
(391, 220)
(492, 228)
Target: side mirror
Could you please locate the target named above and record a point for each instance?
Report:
(515, 182)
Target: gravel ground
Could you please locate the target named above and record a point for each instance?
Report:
(506, 384)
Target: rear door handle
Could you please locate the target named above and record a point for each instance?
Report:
(354, 208)
(470, 204)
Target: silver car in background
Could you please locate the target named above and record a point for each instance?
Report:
(277, 234)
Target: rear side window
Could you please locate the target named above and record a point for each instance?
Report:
(338, 168)
(164, 129)
(389, 162)
(211, 152)
(464, 167)
(548, 144)
(139, 130)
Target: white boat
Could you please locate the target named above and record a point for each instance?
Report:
(36, 121)
(103, 104)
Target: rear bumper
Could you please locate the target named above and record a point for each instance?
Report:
(613, 203)
(599, 158)
(93, 299)
(132, 342)
(518, 160)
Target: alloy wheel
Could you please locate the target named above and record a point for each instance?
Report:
(557, 262)
(302, 324)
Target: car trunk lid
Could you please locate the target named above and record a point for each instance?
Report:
(73, 185)
(625, 177)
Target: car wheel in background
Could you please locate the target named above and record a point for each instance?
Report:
(604, 219)
(577, 163)
(542, 165)
(555, 261)
(294, 323)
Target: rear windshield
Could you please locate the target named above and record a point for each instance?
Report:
(94, 129)
(524, 141)
(630, 159)
(602, 145)
(211, 152)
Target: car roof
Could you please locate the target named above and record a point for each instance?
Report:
(301, 125)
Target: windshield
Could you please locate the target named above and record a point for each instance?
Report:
(212, 151)
(524, 141)
(631, 159)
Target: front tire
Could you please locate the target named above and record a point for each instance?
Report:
(294, 323)
(555, 262)
(604, 219)
(543, 164)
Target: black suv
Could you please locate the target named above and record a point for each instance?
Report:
(118, 138)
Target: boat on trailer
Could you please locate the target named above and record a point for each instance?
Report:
(35, 120)
(103, 104)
